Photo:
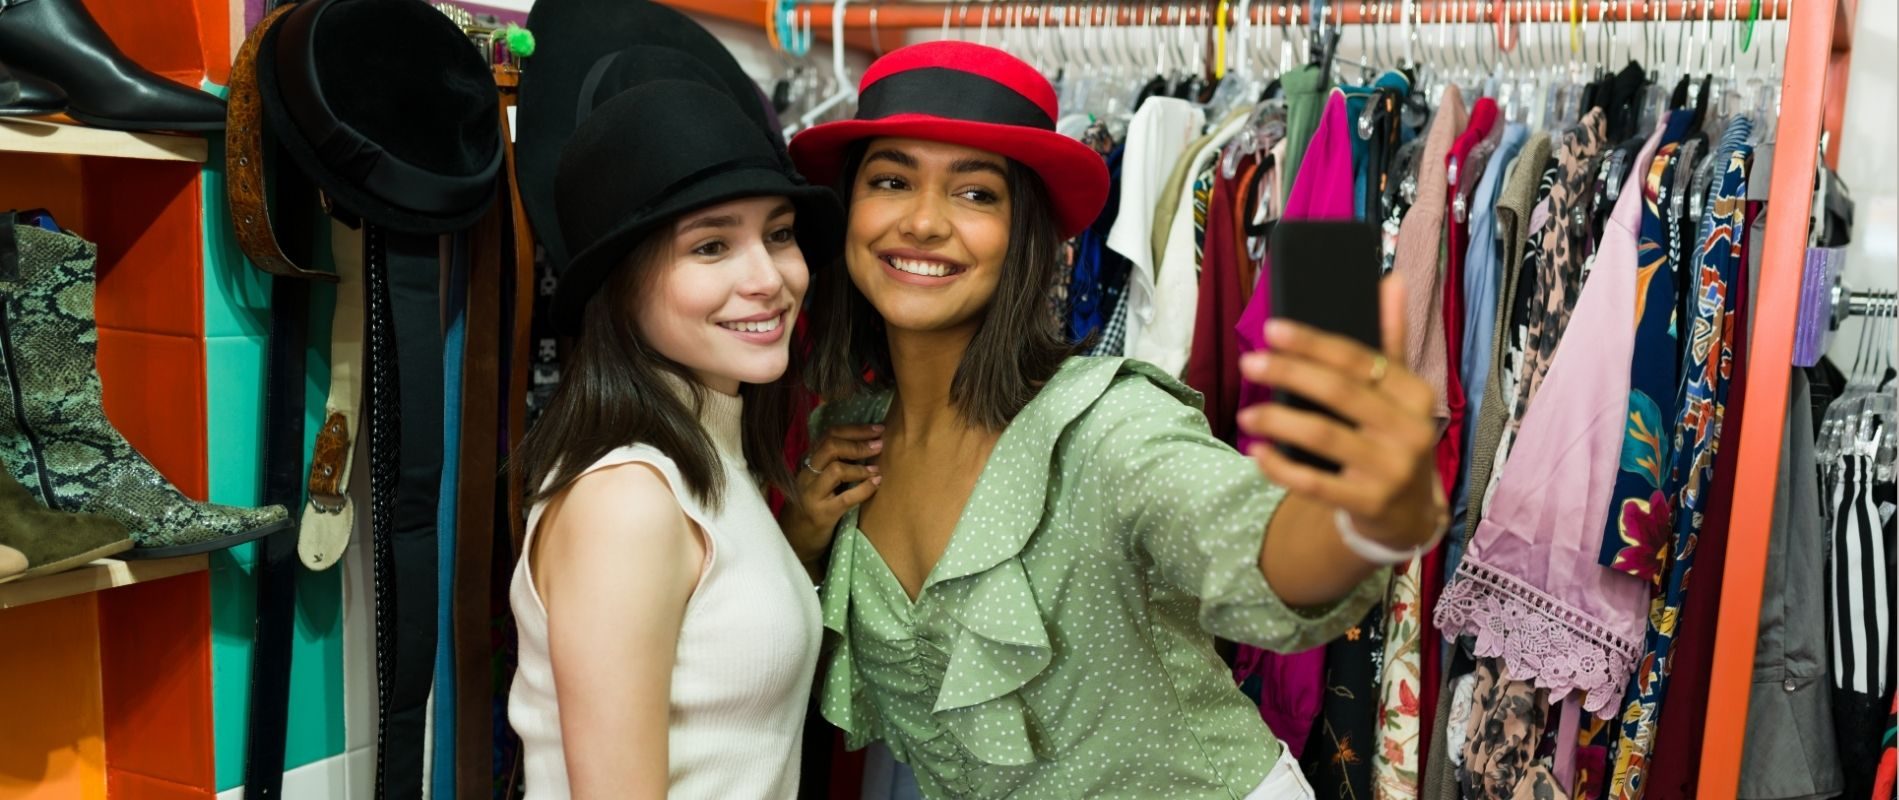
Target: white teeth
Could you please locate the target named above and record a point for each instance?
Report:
(930, 269)
(760, 326)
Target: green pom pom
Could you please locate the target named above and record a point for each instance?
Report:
(520, 41)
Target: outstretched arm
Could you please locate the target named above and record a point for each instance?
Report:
(1387, 487)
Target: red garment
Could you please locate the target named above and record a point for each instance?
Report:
(1883, 780)
(847, 770)
(1483, 117)
(1213, 362)
(1674, 767)
(803, 401)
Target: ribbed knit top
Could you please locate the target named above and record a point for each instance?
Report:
(746, 653)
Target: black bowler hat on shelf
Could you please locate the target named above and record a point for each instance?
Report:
(585, 52)
(659, 149)
(387, 108)
(973, 95)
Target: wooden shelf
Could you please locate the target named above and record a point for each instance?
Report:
(106, 573)
(42, 136)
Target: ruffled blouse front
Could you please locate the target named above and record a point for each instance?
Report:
(1062, 647)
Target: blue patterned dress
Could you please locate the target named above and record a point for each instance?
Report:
(1705, 370)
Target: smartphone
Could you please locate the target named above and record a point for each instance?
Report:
(1325, 274)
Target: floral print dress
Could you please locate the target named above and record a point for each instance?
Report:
(1705, 371)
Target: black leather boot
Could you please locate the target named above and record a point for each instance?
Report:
(60, 41)
(26, 96)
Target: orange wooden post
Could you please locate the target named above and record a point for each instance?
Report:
(1776, 302)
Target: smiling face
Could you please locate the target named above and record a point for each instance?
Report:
(928, 233)
(723, 298)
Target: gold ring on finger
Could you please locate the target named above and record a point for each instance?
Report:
(1379, 366)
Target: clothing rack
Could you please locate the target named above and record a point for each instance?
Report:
(1869, 304)
(967, 14)
(1818, 53)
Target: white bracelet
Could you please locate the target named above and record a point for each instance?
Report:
(1373, 551)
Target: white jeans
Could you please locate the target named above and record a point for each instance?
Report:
(1285, 782)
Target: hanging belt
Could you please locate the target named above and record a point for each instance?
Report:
(329, 516)
(277, 561)
(289, 331)
(477, 517)
(412, 457)
(384, 429)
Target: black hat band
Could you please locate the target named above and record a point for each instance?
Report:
(951, 94)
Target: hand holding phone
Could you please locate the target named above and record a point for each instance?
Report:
(1352, 427)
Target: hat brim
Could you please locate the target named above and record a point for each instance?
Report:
(1076, 176)
(573, 36)
(820, 219)
(281, 129)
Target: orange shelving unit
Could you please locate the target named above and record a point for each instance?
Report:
(107, 678)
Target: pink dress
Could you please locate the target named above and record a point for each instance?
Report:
(1531, 591)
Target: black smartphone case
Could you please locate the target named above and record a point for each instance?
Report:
(1325, 274)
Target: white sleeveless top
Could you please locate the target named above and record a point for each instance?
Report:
(747, 649)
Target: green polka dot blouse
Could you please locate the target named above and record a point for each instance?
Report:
(1063, 645)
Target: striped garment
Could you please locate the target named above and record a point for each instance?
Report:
(1859, 573)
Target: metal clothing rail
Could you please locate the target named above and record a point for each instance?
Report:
(1818, 54)
(879, 26)
(965, 13)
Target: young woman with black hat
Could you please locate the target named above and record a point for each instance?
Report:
(668, 632)
(1026, 607)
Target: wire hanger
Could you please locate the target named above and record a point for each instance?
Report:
(846, 90)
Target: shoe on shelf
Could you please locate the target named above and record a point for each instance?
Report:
(35, 540)
(54, 435)
(58, 40)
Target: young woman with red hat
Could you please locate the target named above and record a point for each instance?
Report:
(1027, 605)
(668, 634)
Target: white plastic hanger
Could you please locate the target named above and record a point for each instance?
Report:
(846, 88)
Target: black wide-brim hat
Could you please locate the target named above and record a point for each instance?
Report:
(656, 151)
(579, 46)
(387, 107)
(972, 95)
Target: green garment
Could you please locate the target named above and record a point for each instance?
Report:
(1062, 647)
(1306, 90)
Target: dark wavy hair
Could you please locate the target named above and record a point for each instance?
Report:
(612, 394)
(1018, 347)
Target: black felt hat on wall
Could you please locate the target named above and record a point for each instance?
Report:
(386, 106)
(660, 149)
(586, 51)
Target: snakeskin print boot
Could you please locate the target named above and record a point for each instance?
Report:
(54, 435)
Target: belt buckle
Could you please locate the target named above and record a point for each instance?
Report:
(328, 467)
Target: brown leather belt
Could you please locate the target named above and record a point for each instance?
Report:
(477, 482)
(244, 164)
(521, 329)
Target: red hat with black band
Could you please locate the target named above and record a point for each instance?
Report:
(972, 95)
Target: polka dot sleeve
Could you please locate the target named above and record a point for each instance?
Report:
(1196, 511)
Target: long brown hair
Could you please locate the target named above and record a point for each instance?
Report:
(1017, 348)
(614, 392)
